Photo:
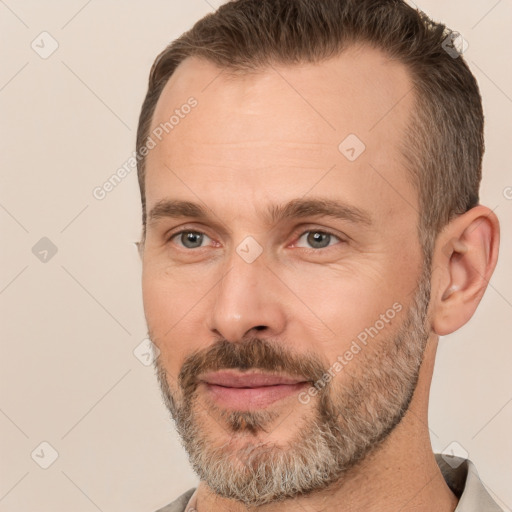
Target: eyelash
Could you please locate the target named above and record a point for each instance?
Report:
(300, 233)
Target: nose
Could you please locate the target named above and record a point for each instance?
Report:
(247, 301)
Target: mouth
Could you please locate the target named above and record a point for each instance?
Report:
(242, 391)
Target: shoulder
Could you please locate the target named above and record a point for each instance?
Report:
(179, 504)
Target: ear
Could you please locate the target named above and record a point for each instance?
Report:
(140, 248)
(465, 256)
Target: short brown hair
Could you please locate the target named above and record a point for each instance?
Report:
(444, 145)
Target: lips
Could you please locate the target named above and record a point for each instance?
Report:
(245, 391)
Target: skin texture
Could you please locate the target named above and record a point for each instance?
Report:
(265, 139)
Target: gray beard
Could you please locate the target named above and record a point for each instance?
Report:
(345, 426)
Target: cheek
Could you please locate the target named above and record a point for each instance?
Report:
(155, 296)
(176, 304)
(342, 305)
(167, 294)
(166, 304)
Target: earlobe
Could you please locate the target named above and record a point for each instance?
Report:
(465, 257)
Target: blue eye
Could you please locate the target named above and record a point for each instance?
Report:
(190, 239)
(319, 239)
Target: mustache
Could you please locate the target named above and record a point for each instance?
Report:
(255, 353)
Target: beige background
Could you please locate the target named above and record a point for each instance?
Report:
(69, 376)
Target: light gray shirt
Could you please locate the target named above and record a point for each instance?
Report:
(460, 475)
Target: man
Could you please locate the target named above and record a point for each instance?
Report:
(309, 177)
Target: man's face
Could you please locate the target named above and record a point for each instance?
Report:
(249, 310)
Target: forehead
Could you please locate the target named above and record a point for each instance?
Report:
(284, 122)
(353, 90)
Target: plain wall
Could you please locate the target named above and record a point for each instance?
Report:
(70, 325)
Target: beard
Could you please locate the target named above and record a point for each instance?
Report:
(341, 428)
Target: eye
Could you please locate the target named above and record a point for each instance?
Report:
(318, 239)
(189, 239)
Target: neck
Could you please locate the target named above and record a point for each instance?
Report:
(400, 474)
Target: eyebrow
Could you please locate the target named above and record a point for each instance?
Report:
(294, 209)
